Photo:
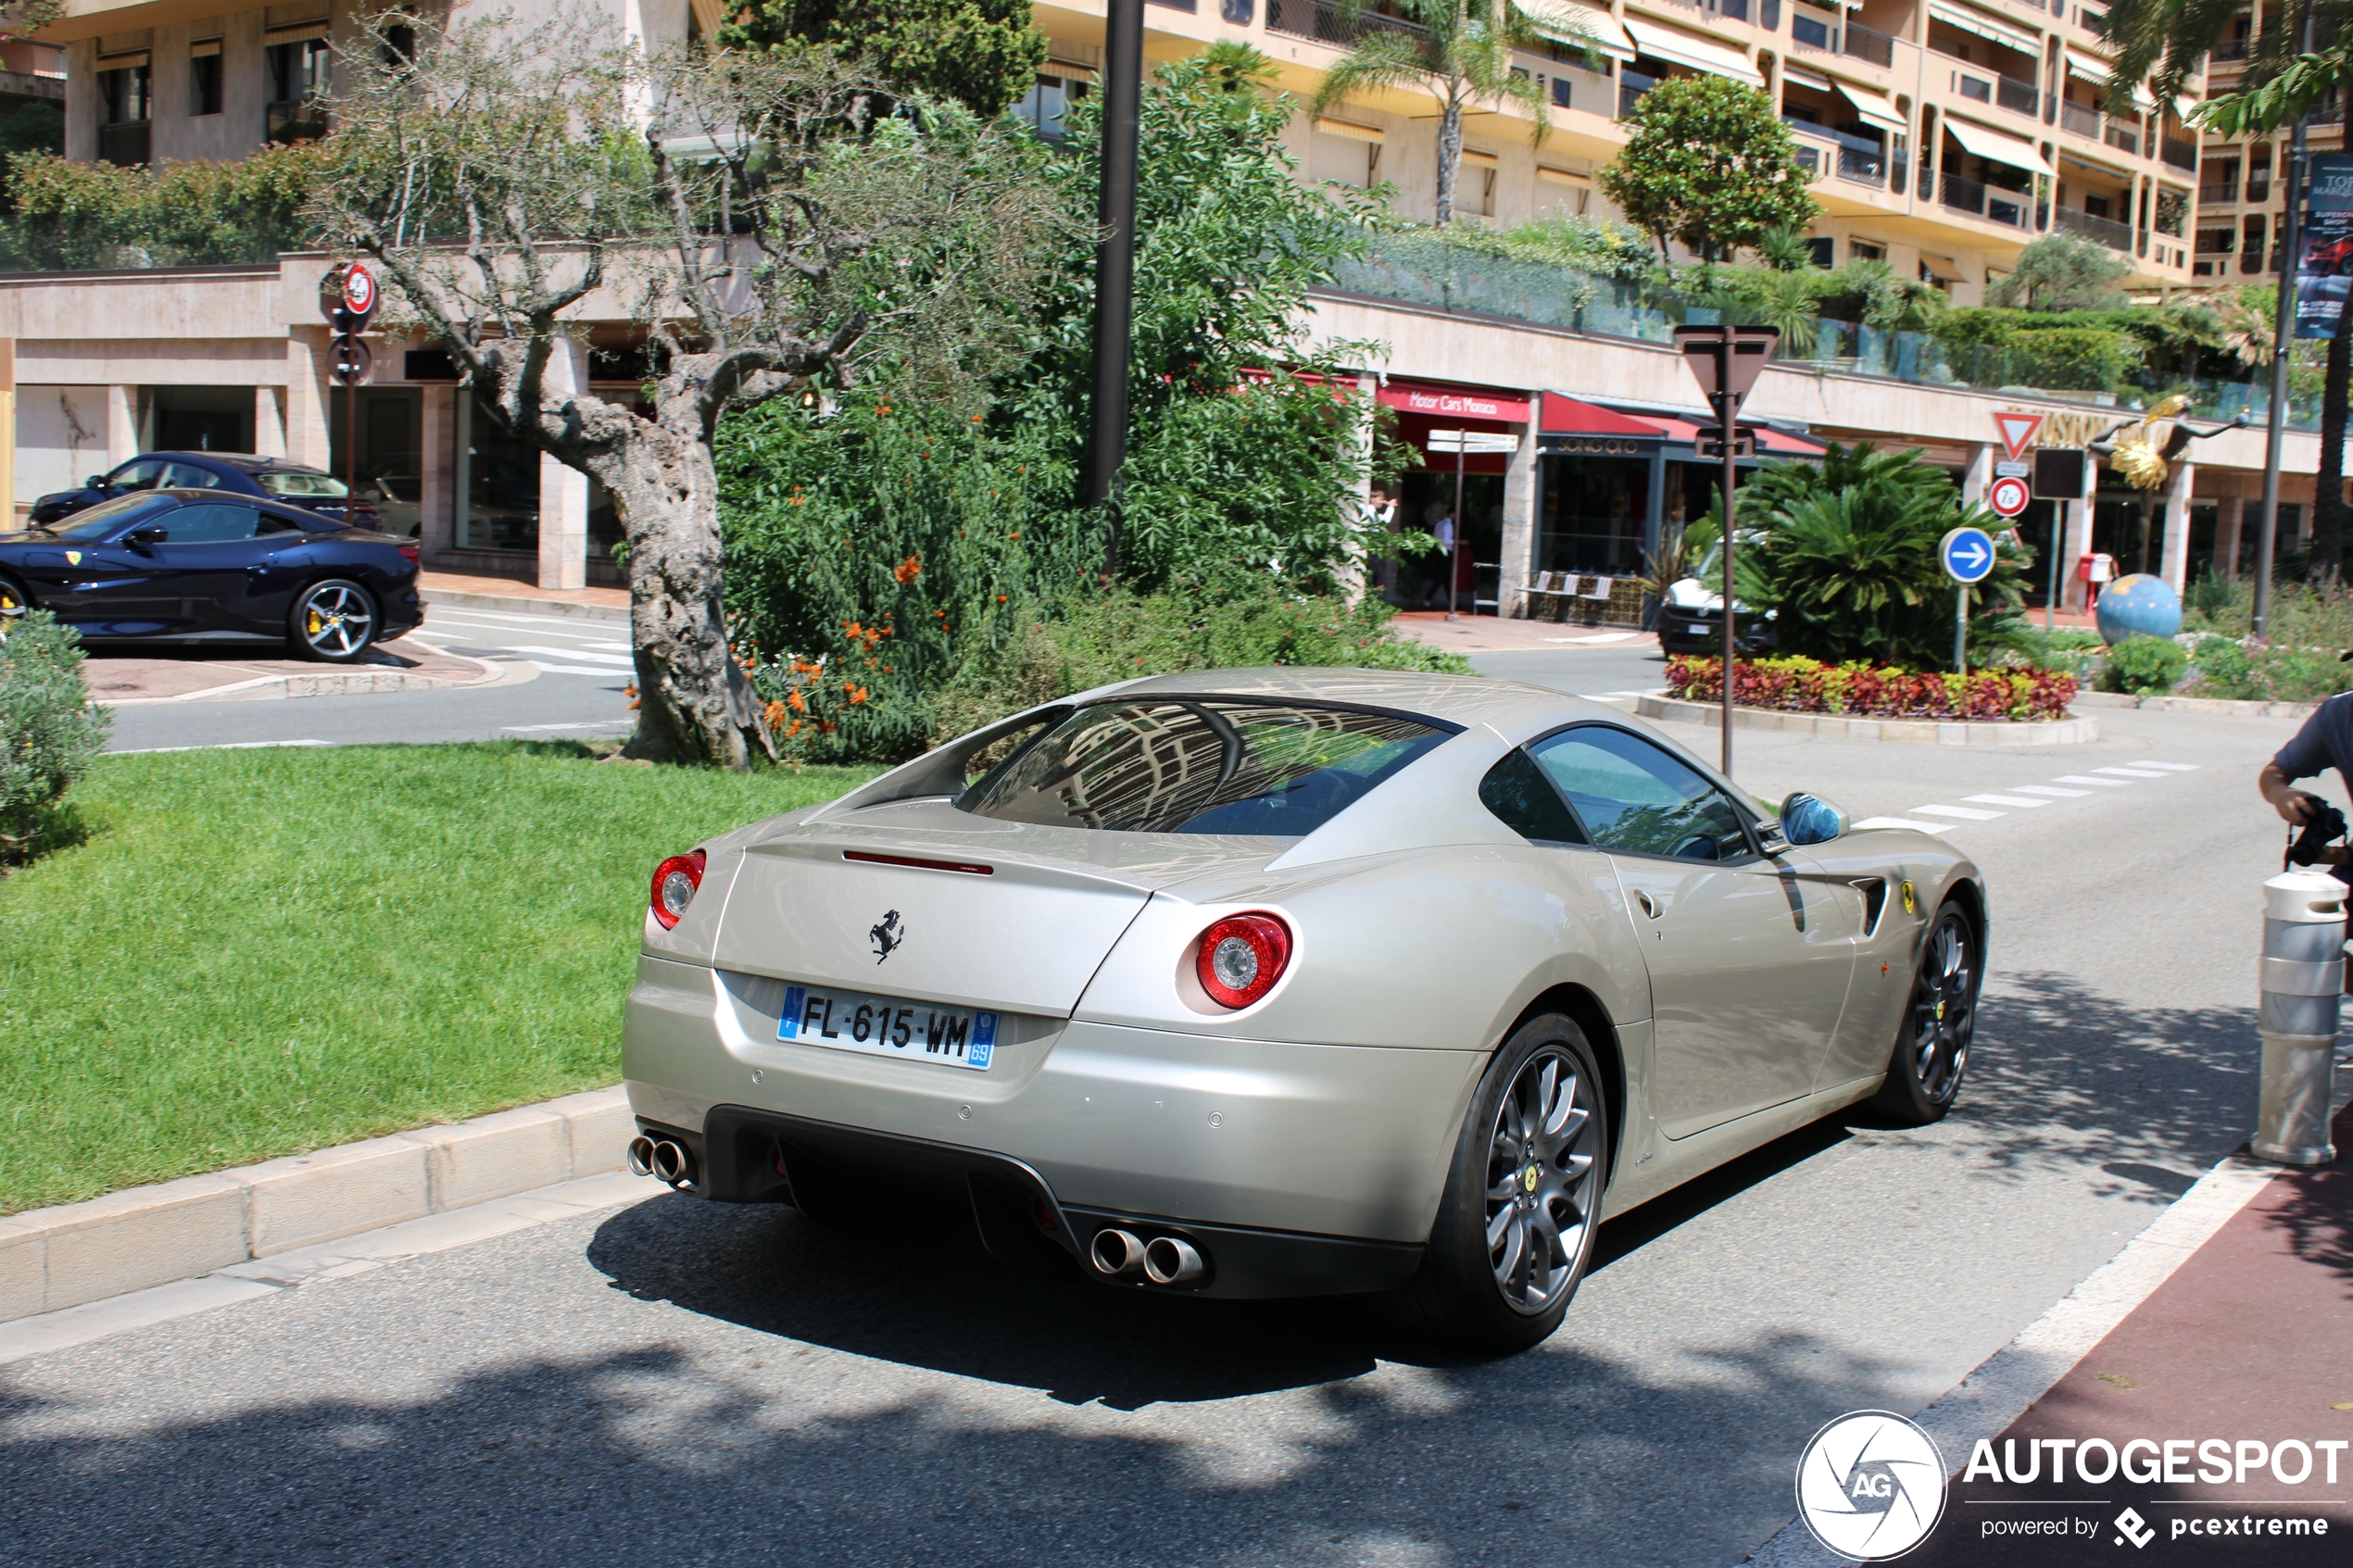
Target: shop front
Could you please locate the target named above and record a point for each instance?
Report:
(1432, 475)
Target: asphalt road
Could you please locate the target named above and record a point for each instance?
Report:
(680, 1382)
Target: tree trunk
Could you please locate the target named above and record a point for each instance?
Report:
(1449, 159)
(694, 701)
(2328, 485)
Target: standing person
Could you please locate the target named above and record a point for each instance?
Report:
(1380, 517)
(2324, 742)
(1441, 528)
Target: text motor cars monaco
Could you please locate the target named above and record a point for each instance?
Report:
(1284, 982)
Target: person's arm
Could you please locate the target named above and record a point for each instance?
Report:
(2294, 805)
(2305, 754)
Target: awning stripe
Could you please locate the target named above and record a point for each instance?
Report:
(1873, 107)
(1998, 146)
(2089, 69)
(1986, 27)
(1561, 18)
(1682, 49)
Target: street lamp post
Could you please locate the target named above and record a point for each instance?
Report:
(1116, 263)
(2282, 336)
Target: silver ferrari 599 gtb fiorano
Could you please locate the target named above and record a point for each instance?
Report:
(1284, 982)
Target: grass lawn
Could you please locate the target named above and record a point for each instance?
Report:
(262, 952)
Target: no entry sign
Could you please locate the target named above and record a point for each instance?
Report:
(2008, 495)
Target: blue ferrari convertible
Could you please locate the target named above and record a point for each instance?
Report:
(198, 566)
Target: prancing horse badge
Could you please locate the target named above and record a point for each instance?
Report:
(886, 934)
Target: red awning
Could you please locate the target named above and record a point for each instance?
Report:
(1770, 441)
(1567, 416)
(1455, 402)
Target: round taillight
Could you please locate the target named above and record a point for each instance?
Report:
(1241, 956)
(675, 881)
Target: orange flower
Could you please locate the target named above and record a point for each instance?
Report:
(909, 570)
(975, 419)
(827, 727)
(1000, 598)
(797, 702)
(792, 729)
(1013, 535)
(857, 693)
(774, 713)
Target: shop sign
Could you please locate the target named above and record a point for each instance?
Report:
(1454, 404)
(1597, 446)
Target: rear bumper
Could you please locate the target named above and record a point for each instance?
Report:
(1315, 1146)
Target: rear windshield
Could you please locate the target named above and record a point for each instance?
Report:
(1200, 766)
(299, 485)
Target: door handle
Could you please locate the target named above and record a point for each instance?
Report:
(1650, 906)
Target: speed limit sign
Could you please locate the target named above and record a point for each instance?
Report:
(2008, 495)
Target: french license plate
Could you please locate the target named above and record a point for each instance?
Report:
(852, 1021)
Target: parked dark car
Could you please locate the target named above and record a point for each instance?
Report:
(203, 566)
(237, 473)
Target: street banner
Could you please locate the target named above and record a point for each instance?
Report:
(2326, 269)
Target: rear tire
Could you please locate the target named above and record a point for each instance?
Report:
(335, 620)
(1931, 1053)
(15, 604)
(1515, 1230)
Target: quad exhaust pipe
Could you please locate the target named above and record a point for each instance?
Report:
(662, 1159)
(1164, 1259)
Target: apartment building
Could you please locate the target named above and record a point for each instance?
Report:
(1944, 136)
(2241, 195)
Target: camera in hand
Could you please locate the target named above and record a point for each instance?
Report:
(2326, 826)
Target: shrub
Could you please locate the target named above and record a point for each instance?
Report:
(2277, 673)
(1797, 684)
(71, 215)
(48, 731)
(2143, 666)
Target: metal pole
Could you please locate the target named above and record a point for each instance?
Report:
(2050, 604)
(1960, 632)
(351, 452)
(1726, 406)
(2291, 243)
(1116, 261)
(1454, 556)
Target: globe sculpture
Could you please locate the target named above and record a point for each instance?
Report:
(2138, 606)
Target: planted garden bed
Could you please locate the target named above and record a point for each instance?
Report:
(1796, 684)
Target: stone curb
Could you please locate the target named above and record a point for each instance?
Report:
(2237, 707)
(519, 604)
(52, 1258)
(1836, 726)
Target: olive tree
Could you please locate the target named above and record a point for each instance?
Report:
(770, 232)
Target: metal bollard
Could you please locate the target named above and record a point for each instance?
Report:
(2303, 974)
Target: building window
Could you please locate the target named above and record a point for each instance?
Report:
(2096, 205)
(1343, 154)
(204, 77)
(1865, 250)
(298, 83)
(1474, 184)
(2251, 253)
(1819, 250)
(1042, 107)
(1560, 101)
(127, 102)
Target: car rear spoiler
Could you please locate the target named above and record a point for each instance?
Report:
(940, 772)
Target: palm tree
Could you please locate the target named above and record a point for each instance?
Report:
(1459, 52)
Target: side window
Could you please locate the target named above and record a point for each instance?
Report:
(187, 476)
(1634, 796)
(143, 475)
(272, 523)
(211, 523)
(1518, 792)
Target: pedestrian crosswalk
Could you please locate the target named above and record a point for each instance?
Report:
(1939, 818)
(557, 645)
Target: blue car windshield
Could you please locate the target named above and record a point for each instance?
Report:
(107, 517)
(1202, 765)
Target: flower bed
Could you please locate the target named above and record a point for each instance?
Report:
(1805, 685)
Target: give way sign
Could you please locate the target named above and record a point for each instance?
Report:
(2017, 428)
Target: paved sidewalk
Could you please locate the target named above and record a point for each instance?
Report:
(203, 675)
(2248, 1343)
(1489, 634)
(517, 593)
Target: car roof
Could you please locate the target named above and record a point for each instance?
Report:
(186, 494)
(250, 462)
(1457, 700)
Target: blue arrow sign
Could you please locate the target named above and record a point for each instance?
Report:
(1967, 555)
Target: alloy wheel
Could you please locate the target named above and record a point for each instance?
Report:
(12, 610)
(336, 620)
(1543, 1187)
(1943, 1009)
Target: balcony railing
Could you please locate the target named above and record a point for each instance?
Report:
(2224, 193)
(1326, 21)
(2107, 230)
(1990, 203)
(2225, 54)
(2177, 152)
(1864, 168)
(1868, 43)
(125, 144)
(2258, 188)
(2124, 139)
(2083, 122)
(1632, 85)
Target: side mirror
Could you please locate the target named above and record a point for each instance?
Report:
(147, 538)
(1807, 819)
(96, 482)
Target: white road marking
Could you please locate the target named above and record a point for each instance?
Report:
(1904, 822)
(576, 668)
(1965, 814)
(572, 653)
(1604, 637)
(2168, 767)
(2005, 799)
(224, 746)
(2130, 773)
(462, 612)
(2086, 778)
(591, 724)
(2054, 794)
